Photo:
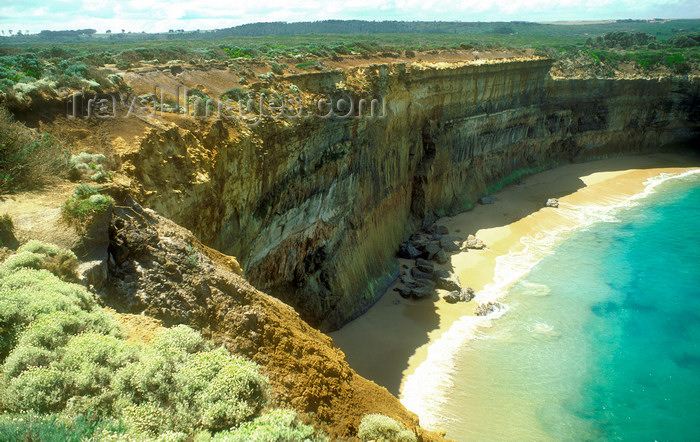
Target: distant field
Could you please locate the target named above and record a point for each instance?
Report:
(412, 35)
(81, 60)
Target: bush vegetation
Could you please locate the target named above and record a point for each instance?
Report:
(380, 428)
(27, 160)
(235, 94)
(29, 68)
(89, 165)
(68, 373)
(85, 204)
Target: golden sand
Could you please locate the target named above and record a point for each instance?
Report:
(388, 342)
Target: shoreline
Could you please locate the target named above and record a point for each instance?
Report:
(392, 339)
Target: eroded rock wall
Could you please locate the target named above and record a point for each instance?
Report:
(315, 209)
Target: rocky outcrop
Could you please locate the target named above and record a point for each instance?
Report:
(159, 269)
(464, 294)
(552, 202)
(473, 242)
(488, 308)
(316, 209)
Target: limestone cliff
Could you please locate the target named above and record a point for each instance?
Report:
(315, 209)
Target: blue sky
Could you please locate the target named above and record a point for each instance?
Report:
(161, 15)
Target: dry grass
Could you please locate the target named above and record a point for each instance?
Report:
(28, 160)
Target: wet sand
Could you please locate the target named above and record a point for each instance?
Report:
(388, 342)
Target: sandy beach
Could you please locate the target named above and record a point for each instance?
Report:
(391, 340)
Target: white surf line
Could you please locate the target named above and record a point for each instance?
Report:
(423, 391)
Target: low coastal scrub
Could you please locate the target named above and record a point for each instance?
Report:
(377, 427)
(27, 159)
(29, 72)
(37, 255)
(85, 204)
(88, 165)
(69, 373)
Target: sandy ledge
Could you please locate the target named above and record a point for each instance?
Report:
(388, 342)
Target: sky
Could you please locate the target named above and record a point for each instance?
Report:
(162, 15)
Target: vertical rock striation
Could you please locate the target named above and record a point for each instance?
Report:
(315, 209)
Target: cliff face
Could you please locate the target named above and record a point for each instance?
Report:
(315, 209)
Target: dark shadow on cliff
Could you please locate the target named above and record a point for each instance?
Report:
(685, 155)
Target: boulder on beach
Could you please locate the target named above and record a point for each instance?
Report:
(452, 297)
(466, 294)
(405, 292)
(449, 284)
(487, 200)
(421, 292)
(406, 279)
(431, 250)
(447, 243)
(441, 257)
(473, 242)
(424, 265)
(408, 251)
(488, 308)
(425, 283)
(418, 274)
(441, 273)
(552, 202)
(443, 230)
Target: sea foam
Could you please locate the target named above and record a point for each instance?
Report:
(424, 392)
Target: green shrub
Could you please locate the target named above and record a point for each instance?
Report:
(39, 389)
(57, 428)
(99, 174)
(123, 65)
(53, 330)
(78, 70)
(27, 160)
(38, 255)
(63, 354)
(24, 357)
(306, 65)
(27, 64)
(39, 344)
(236, 394)
(180, 338)
(277, 68)
(63, 345)
(682, 68)
(35, 246)
(235, 52)
(213, 389)
(85, 204)
(93, 357)
(342, 50)
(235, 94)
(22, 260)
(377, 427)
(197, 372)
(275, 426)
(87, 158)
(84, 191)
(25, 294)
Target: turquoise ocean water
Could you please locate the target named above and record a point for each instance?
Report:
(600, 340)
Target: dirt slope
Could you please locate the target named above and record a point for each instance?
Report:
(160, 269)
